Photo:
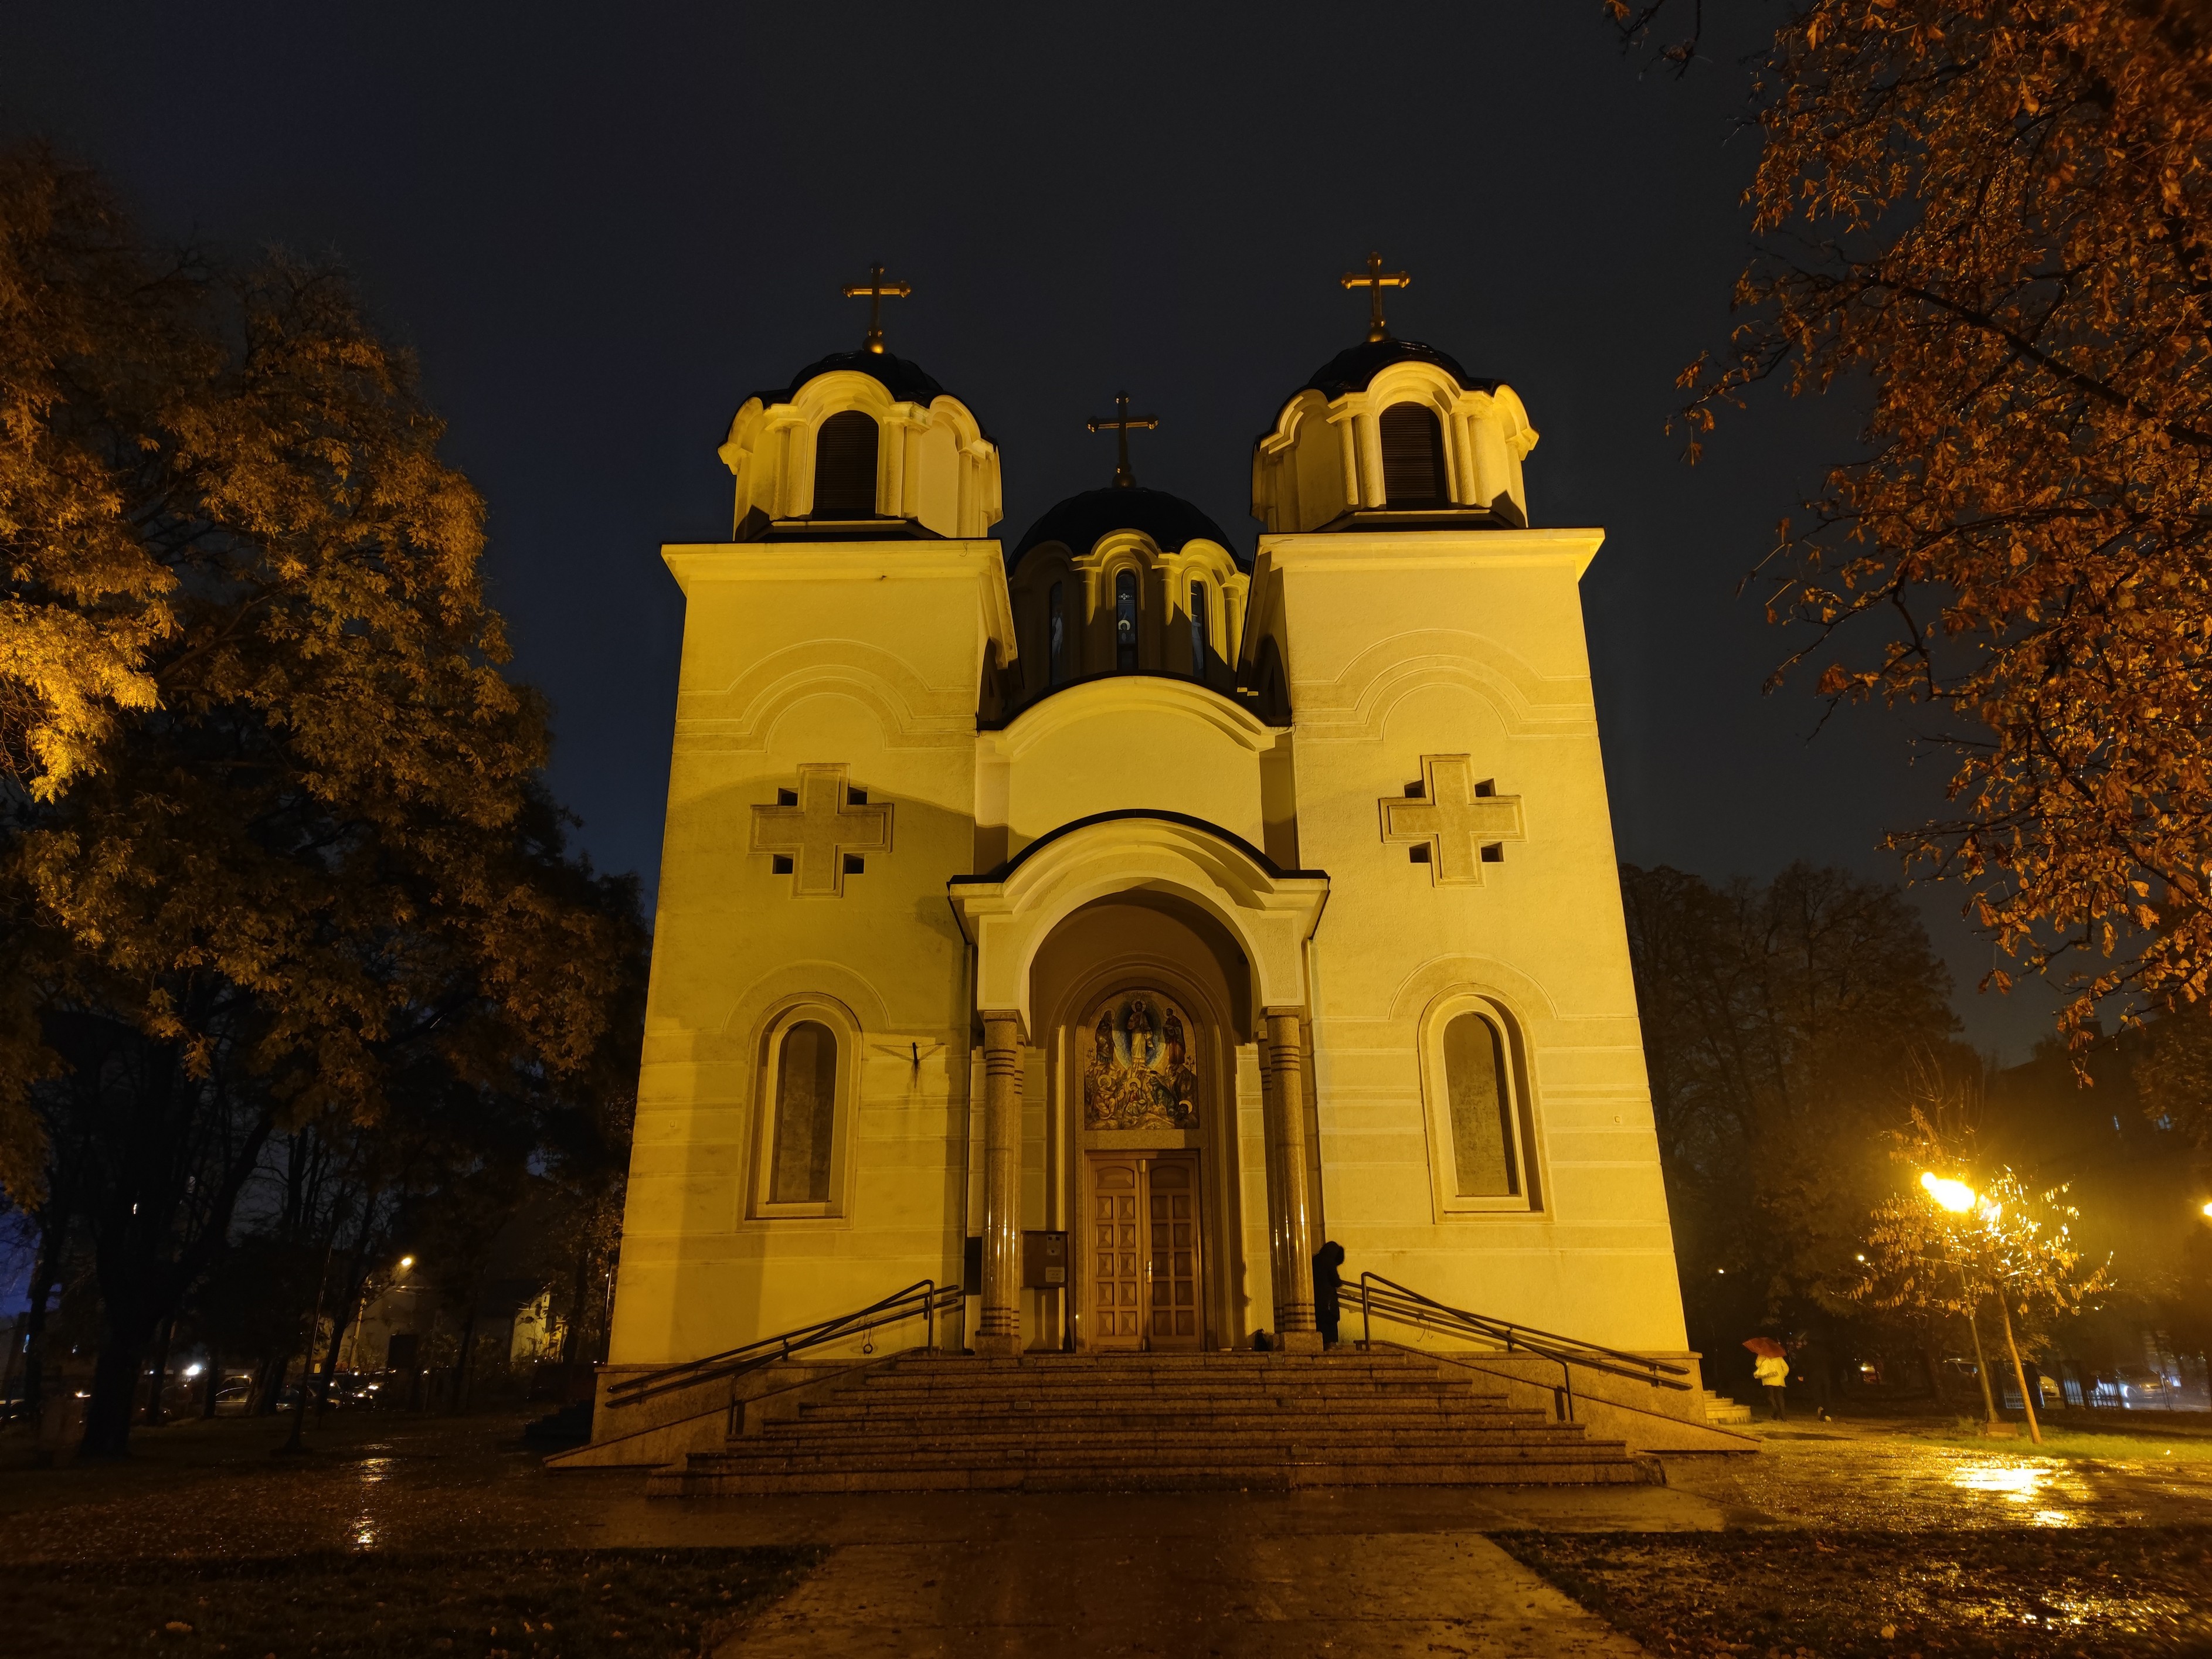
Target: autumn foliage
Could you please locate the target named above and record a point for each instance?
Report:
(274, 851)
(1996, 213)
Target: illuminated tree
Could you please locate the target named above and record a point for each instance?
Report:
(1947, 1242)
(97, 351)
(315, 878)
(1999, 212)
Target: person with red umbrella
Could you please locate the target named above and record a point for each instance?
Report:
(1772, 1371)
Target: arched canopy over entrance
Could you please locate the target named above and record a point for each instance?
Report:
(1269, 912)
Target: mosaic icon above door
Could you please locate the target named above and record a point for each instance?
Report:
(1141, 1073)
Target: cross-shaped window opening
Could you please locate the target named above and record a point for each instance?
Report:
(1452, 821)
(820, 832)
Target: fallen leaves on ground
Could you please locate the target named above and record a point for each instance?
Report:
(2038, 1593)
(524, 1604)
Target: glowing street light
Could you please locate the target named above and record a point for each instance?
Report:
(1955, 1196)
(2208, 1211)
(405, 1262)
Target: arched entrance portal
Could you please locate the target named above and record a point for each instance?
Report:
(1071, 936)
(1144, 1011)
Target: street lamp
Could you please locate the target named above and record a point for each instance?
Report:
(1956, 1196)
(405, 1262)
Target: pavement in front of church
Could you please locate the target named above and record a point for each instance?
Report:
(1338, 1572)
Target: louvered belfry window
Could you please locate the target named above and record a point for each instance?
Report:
(845, 466)
(1413, 457)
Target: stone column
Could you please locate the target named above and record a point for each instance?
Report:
(1000, 1332)
(1292, 1226)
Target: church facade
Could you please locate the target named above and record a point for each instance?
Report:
(1106, 922)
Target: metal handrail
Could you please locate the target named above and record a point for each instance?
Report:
(925, 1298)
(1406, 1306)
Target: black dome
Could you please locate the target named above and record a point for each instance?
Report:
(1352, 370)
(902, 380)
(1080, 520)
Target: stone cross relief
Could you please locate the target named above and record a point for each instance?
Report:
(1455, 821)
(820, 832)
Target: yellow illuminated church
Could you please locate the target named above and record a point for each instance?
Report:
(1088, 926)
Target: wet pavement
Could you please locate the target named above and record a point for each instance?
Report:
(1855, 1476)
(1361, 1571)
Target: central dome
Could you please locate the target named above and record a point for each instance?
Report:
(906, 381)
(1081, 521)
(1355, 369)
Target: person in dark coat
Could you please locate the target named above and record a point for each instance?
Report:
(1327, 1309)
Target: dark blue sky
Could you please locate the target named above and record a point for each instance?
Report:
(601, 227)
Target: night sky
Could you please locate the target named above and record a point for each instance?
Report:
(601, 228)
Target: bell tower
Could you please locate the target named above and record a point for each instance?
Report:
(802, 1115)
(1480, 1104)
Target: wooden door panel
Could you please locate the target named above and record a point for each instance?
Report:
(1171, 1195)
(1117, 1252)
(1144, 1268)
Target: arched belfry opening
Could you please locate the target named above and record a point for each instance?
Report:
(1413, 457)
(845, 466)
(1143, 1009)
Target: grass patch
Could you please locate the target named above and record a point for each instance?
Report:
(2042, 1593)
(502, 1604)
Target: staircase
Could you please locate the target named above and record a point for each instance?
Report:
(1158, 1422)
(1721, 1410)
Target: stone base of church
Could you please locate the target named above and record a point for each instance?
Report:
(989, 1346)
(1297, 1341)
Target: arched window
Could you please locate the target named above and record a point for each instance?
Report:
(1198, 629)
(1125, 620)
(845, 466)
(1483, 1157)
(1056, 636)
(806, 1114)
(1413, 457)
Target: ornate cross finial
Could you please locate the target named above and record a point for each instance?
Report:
(1374, 281)
(876, 287)
(1123, 420)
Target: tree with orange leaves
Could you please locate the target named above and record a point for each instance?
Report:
(1999, 212)
(305, 871)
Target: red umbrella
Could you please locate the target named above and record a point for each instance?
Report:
(1766, 1347)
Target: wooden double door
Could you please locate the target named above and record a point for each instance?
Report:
(1143, 1266)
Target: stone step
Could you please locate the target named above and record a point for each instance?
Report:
(1189, 1399)
(1208, 1358)
(1229, 1382)
(1721, 1410)
(1224, 1478)
(1109, 1458)
(716, 1481)
(1152, 1422)
(988, 1432)
(1053, 1420)
(1250, 1452)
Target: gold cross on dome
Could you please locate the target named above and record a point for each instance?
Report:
(877, 289)
(1456, 822)
(1374, 281)
(1121, 425)
(818, 832)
